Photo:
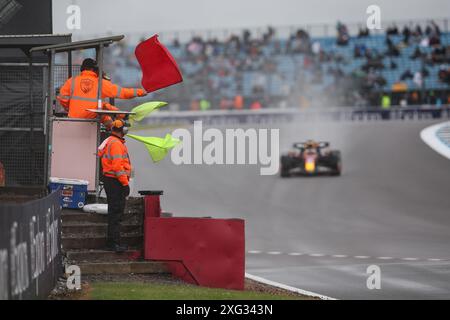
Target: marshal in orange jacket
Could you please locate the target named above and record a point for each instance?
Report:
(80, 93)
(115, 159)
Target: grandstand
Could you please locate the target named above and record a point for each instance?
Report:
(410, 64)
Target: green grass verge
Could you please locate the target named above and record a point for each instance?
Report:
(149, 291)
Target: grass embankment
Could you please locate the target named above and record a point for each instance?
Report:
(148, 291)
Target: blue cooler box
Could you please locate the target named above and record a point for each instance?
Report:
(73, 191)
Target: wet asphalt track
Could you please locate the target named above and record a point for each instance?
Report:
(391, 208)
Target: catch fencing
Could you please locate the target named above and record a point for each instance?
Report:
(22, 130)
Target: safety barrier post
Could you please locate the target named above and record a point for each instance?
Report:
(152, 203)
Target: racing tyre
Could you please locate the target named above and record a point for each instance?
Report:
(285, 167)
(337, 163)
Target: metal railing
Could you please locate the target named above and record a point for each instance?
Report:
(269, 116)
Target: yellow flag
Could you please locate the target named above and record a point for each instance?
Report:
(143, 110)
(157, 147)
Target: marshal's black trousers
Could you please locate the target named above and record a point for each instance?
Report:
(116, 197)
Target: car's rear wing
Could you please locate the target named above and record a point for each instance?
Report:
(304, 145)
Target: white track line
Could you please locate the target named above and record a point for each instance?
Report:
(286, 287)
(315, 255)
(429, 136)
(341, 256)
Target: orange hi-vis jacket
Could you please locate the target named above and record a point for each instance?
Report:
(80, 93)
(115, 159)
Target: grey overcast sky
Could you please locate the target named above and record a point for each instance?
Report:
(127, 16)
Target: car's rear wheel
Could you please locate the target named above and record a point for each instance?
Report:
(337, 163)
(338, 169)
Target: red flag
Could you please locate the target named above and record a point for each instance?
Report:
(159, 68)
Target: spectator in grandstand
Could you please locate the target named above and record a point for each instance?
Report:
(435, 40)
(385, 101)
(238, 102)
(438, 55)
(195, 46)
(438, 100)
(359, 50)
(246, 37)
(425, 72)
(267, 36)
(374, 61)
(256, 105)
(380, 81)
(392, 30)
(418, 31)
(418, 79)
(404, 101)
(342, 34)
(430, 98)
(406, 35)
(392, 49)
(393, 65)
(399, 86)
(299, 42)
(444, 75)
(276, 48)
(434, 28)
(414, 98)
(425, 42)
(204, 104)
(363, 32)
(407, 74)
(259, 83)
(232, 46)
(316, 47)
(225, 103)
(195, 106)
(417, 54)
(428, 30)
(175, 43)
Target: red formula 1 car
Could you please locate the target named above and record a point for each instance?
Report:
(311, 158)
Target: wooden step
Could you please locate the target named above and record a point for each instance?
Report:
(95, 255)
(98, 242)
(119, 267)
(96, 228)
(77, 216)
